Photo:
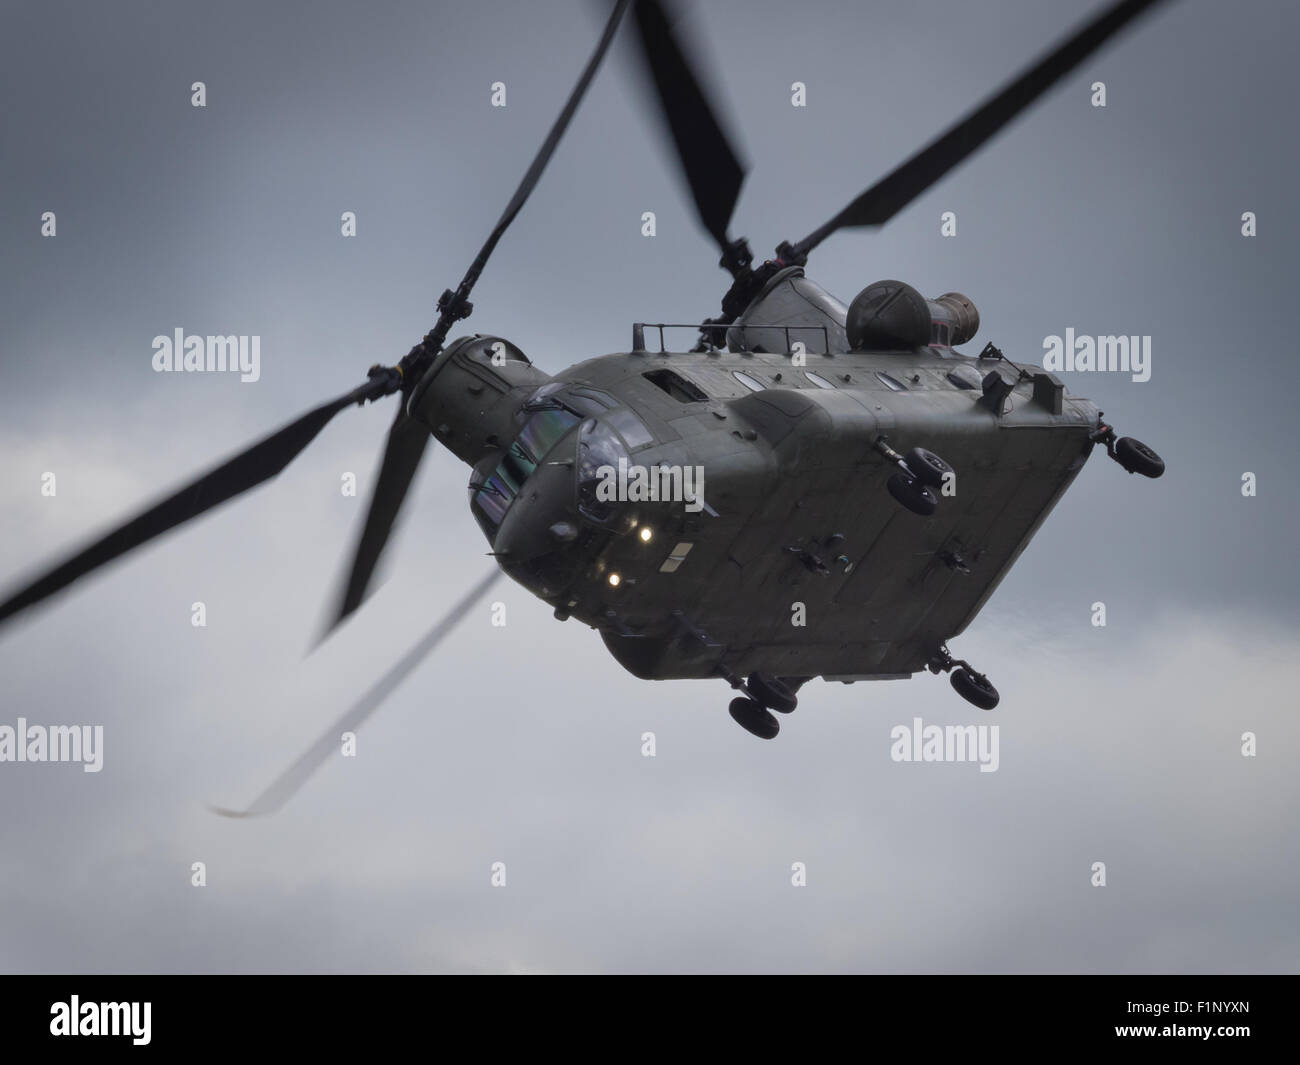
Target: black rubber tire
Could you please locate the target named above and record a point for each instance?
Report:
(974, 688)
(753, 718)
(1136, 457)
(927, 467)
(915, 497)
(772, 693)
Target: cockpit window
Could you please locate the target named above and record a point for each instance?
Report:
(580, 399)
(601, 399)
(540, 433)
(492, 498)
(599, 452)
(544, 398)
(631, 428)
(817, 379)
(543, 430)
(752, 383)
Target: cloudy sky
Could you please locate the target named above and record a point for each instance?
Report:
(522, 744)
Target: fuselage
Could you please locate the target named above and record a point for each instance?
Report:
(778, 548)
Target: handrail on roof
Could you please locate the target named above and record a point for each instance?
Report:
(638, 332)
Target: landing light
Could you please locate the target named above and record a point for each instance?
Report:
(615, 580)
(646, 534)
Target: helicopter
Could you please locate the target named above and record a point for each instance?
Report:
(810, 490)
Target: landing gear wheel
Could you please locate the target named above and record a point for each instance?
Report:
(927, 467)
(753, 718)
(974, 688)
(913, 495)
(772, 693)
(1136, 457)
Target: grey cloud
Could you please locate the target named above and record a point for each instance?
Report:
(521, 744)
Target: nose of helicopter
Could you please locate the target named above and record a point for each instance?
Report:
(543, 519)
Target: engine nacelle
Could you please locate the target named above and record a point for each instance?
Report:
(893, 316)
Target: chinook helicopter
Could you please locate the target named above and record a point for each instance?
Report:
(811, 490)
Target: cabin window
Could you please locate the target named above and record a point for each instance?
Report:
(817, 379)
(752, 383)
(891, 383)
(676, 385)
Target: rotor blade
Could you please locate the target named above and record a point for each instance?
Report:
(246, 470)
(712, 168)
(543, 157)
(296, 775)
(402, 453)
(892, 193)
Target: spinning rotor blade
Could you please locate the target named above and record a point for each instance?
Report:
(246, 470)
(712, 168)
(454, 302)
(407, 439)
(296, 775)
(892, 193)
